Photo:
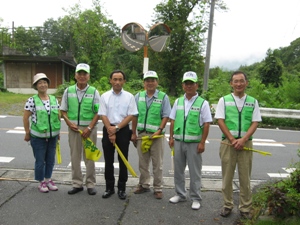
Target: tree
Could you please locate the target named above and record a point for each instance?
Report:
(57, 37)
(29, 41)
(184, 50)
(188, 21)
(290, 55)
(94, 38)
(271, 69)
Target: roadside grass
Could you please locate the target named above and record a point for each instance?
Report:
(12, 104)
(289, 221)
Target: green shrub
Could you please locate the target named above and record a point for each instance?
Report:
(282, 198)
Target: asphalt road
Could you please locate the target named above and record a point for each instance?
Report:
(283, 144)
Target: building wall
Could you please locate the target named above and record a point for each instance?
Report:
(20, 74)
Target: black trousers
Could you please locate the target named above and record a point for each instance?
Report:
(123, 137)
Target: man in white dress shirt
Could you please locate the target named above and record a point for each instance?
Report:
(117, 108)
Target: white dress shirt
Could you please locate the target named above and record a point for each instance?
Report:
(117, 106)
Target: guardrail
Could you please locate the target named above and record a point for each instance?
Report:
(276, 113)
(280, 113)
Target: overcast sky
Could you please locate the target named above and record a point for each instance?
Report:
(240, 36)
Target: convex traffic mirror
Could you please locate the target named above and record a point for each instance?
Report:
(134, 37)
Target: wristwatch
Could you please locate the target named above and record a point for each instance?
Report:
(161, 129)
(117, 128)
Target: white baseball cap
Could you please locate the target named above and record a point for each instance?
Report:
(190, 75)
(83, 66)
(38, 77)
(150, 74)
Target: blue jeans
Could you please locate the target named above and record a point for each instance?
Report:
(44, 150)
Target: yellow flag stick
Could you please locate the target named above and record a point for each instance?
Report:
(172, 158)
(251, 149)
(58, 153)
(125, 161)
(155, 136)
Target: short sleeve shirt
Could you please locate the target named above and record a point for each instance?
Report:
(30, 106)
(220, 111)
(205, 114)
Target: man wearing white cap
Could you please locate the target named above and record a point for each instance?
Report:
(154, 110)
(79, 108)
(190, 119)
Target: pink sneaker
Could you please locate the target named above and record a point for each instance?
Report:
(43, 187)
(51, 185)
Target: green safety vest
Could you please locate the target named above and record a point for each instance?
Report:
(46, 125)
(238, 122)
(81, 113)
(188, 129)
(150, 118)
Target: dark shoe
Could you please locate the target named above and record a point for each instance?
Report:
(140, 189)
(108, 193)
(225, 212)
(122, 195)
(75, 190)
(246, 215)
(158, 194)
(91, 191)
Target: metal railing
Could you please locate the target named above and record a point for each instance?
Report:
(280, 113)
(276, 113)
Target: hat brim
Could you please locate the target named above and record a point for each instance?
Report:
(85, 70)
(42, 78)
(193, 80)
(150, 77)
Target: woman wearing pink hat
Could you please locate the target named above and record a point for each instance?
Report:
(43, 132)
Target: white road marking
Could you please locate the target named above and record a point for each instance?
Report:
(6, 159)
(282, 175)
(97, 165)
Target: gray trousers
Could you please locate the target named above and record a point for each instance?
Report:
(155, 154)
(186, 154)
(77, 154)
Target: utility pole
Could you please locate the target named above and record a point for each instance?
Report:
(208, 46)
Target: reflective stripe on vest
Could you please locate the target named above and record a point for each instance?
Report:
(238, 122)
(149, 119)
(81, 113)
(46, 126)
(188, 129)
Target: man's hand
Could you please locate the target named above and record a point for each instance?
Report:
(238, 144)
(111, 130)
(112, 138)
(200, 147)
(73, 127)
(171, 142)
(86, 133)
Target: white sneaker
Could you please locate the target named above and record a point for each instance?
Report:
(176, 199)
(196, 205)
(51, 186)
(43, 187)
